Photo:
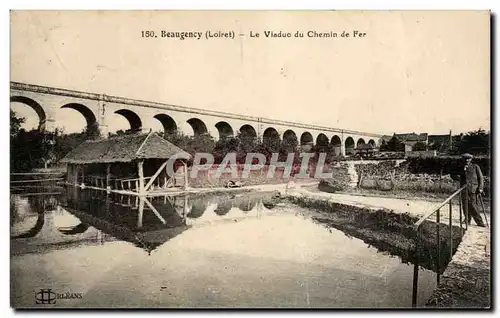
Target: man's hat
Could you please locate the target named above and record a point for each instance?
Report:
(467, 156)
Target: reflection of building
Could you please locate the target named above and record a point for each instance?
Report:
(147, 224)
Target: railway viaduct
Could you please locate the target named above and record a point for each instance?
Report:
(101, 109)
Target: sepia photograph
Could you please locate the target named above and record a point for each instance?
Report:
(250, 159)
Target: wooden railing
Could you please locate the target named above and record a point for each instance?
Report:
(418, 227)
(126, 184)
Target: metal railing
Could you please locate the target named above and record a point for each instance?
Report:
(418, 227)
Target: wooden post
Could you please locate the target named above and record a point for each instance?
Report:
(141, 211)
(68, 180)
(77, 168)
(108, 175)
(186, 185)
(185, 209)
(154, 210)
(140, 165)
(157, 173)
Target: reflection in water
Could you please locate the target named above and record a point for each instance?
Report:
(145, 222)
(72, 230)
(197, 209)
(40, 221)
(223, 207)
(136, 220)
(247, 204)
(270, 260)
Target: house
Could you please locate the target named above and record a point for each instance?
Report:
(131, 164)
(408, 139)
(440, 142)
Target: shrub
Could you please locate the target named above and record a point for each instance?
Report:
(332, 185)
(384, 168)
(445, 165)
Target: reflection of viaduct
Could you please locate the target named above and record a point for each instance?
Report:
(101, 109)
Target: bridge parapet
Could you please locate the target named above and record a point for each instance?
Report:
(102, 99)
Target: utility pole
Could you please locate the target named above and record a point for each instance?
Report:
(451, 141)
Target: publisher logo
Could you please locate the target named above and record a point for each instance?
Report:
(48, 297)
(45, 296)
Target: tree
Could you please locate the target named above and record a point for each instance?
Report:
(394, 144)
(289, 143)
(474, 142)
(15, 123)
(92, 131)
(29, 149)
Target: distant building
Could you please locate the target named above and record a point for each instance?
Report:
(408, 139)
(366, 150)
(440, 142)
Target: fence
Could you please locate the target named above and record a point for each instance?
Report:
(35, 182)
(418, 228)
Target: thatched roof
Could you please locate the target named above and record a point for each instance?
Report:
(123, 149)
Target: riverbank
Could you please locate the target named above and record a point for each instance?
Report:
(466, 281)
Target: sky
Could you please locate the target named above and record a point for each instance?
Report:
(413, 71)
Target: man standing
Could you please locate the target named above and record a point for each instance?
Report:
(473, 178)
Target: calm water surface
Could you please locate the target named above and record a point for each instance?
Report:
(212, 251)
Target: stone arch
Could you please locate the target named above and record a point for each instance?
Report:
(322, 142)
(360, 142)
(169, 125)
(289, 134)
(85, 111)
(42, 116)
(132, 117)
(271, 137)
(199, 127)
(225, 130)
(372, 142)
(349, 146)
(336, 144)
(248, 130)
(336, 141)
(306, 138)
(290, 141)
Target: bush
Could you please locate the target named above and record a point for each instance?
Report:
(340, 180)
(332, 185)
(381, 169)
(445, 165)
